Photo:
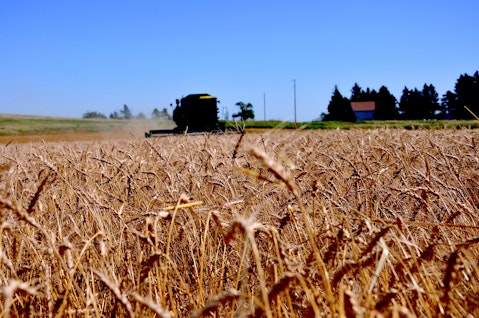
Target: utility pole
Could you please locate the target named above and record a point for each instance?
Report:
(264, 105)
(294, 86)
(226, 114)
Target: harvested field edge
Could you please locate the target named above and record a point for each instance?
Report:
(276, 224)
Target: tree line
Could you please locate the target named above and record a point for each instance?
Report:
(126, 113)
(413, 103)
(246, 112)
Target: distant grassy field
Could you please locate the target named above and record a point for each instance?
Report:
(22, 125)
(36, 128)
(20, 128)
(369, 124)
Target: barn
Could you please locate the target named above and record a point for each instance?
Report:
(364, 110)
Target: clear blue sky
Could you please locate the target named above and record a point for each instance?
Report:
(63, 58)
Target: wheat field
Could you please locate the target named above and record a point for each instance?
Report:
(357, 223)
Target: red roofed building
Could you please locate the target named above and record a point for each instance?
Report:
(364, 110)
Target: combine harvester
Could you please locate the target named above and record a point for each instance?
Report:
(194, 114)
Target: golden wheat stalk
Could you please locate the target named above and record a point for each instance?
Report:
(152, 305)
(116, 291)
(216, 302)
(380, 265)
(179, 206)
(10, 289)
(472, 113)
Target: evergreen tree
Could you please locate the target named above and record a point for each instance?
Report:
(356, 93)
(430, 102)
(371, 95)
(386, 105)
(155, 114)
(164, 114)
(467, 94)
(115, 115)
(126, 112)
(360, 95)
(449, 105)
(408, 104)
(415, 104)
(339, 108)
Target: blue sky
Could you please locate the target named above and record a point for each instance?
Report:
(63, 58)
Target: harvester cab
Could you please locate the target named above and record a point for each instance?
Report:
(195, 113)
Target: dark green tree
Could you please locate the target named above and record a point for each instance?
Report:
(155, 114)
(115, 115)
(408, 103)
(141, 116)
(449, 105)
(386, 105)
(467, 94)
(430, 102)
(126, 112)
(357, 94)
(94, 115)
(370, 94)
(246, 111)
(163, 114)
(360, 95)
(339, 108)
(415, 104)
